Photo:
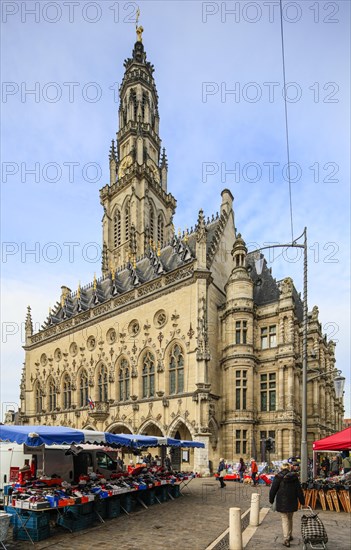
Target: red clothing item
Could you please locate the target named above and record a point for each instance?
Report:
(254, 468)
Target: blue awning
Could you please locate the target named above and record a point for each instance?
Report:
(34, 436)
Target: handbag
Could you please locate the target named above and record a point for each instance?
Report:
(274, 505)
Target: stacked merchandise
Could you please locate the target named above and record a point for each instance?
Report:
(331, 493)
(92, 498)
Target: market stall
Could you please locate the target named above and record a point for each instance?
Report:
(332, 491)
(35, 501)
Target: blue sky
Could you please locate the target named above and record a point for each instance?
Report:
(219, 79)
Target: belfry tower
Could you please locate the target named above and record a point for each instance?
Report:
(138, 211)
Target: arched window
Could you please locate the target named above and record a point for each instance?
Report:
(152, 223)
(133, 100)
(67, 392)
(117, 228)
(38, 398)
(143, 103)
(124, 381)
(176, 370)
(148, 376)
(51, 395)
(127, 221)
(160, 230)
(102, 384)
(83, 388)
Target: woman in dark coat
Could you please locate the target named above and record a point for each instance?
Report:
(287, 491)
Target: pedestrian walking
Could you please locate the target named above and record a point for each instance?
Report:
(287, 492)
(221, 472)
(254, 471)
(241, 469)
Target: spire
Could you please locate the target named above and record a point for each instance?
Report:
(112, 155)
(164, 160)
(28, 325)
(164, 170)
(104, 260)
(201, 241)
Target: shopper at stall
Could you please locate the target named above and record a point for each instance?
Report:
(168, 463)
(254, 471)
(286, 491)
(334, 466)
(221, 472)
(346, 464)
(241, 469)
(325, 466)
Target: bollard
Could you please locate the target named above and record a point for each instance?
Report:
(235, 535)
(255, 510)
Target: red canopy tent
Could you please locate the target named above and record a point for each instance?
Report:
(340, 441)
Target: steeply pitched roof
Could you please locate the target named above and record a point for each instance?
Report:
(267, 288)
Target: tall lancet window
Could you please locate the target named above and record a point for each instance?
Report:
(148, 375)
(67, 392)
(133, 106)
(127, 221)
(102, 384)
(51, 395)
(160, 230)
(83, 388)
(152, 223)
(117, 228)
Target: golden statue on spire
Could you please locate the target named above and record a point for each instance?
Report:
(139, 30)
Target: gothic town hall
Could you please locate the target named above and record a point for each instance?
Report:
(173, 339)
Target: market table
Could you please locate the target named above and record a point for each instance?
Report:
(29, 523)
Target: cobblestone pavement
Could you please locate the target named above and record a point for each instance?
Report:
(269, 534)
(190, 522)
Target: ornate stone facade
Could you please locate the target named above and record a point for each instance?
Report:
(175, 338)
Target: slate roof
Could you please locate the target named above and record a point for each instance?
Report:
(267, 288)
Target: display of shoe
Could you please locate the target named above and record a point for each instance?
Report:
(286, 543)
(291, 538)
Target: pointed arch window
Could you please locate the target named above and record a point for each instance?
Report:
(117, 228)
(38, 398)
(148, 376)
(83, 388)
(145, 101)
(127, 221)
(152, 223)
(102, 384)
(134, 107)
(51, 395)
(67, 392)
(176, 370)
(124, 380)
(160, 230)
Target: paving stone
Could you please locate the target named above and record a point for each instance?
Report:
(191, 522)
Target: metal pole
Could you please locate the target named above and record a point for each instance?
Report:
(304, 453)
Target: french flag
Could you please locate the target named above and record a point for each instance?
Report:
(91, 403)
